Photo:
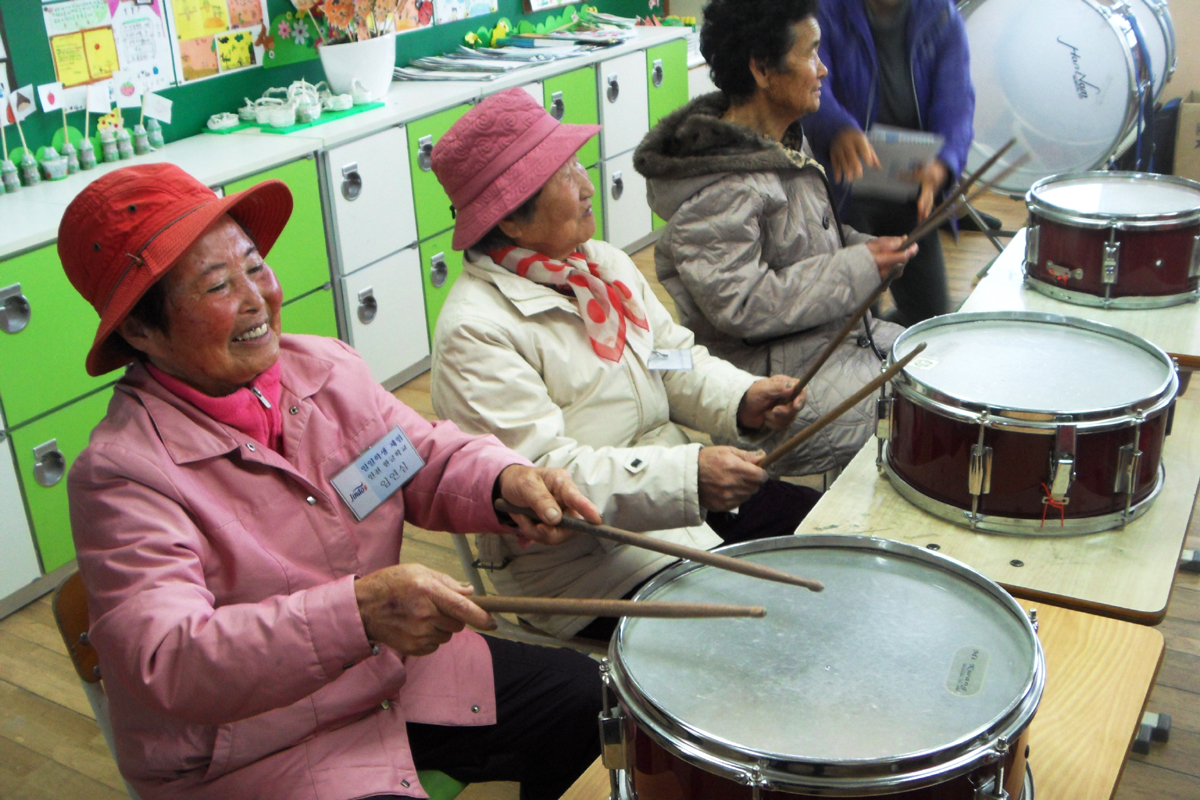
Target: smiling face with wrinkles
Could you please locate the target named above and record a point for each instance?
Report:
(222, 313)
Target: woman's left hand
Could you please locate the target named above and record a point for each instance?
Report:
(932, 177)
(548, 492)
(765, 404)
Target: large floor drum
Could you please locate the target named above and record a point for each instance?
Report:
(1114, 239)
(911, 677)
(1018, 422)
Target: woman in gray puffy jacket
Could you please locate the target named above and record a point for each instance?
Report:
(753, 254)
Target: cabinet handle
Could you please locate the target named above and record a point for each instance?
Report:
(351, 181)
(618, 185)
(657, 73)
(438, 271)
(614, 89)
(49, 466)
(557, 107)
(368, 306)
(14, 309)
(425, 153)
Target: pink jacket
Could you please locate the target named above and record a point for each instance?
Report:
(220, 587)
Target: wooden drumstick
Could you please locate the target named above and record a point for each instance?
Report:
(969, 181)
(669, 548)
(587, 607)
(849, 403)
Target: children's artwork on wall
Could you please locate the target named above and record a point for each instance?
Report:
(7, 78)
(92, 39)
(452, 10)
(214, 37)
(235, 49)
(414, 15)
(143, 46)
(198, 59)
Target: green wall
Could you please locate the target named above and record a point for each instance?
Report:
(29, 50)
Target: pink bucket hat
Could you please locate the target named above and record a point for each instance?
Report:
(498, 156)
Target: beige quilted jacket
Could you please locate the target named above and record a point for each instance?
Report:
(511, 358)
(753, 256)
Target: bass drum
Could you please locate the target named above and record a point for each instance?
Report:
(1158, 31)
(1060, 77)
(911, 677)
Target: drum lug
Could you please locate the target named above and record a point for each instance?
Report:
(1062, 464)
(980, 479)
(1112, 259)
(612, 725)
(993, 789)
(883, 418)
(1128, 459)
(1033, 249)
(1194, 268)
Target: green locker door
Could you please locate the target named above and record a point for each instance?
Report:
(311, 313)
(440, 268)
(597, 202)
(432, 204)
(571, 98)
(667, 89)
(299, 258)
(41, 364)
(45, 450)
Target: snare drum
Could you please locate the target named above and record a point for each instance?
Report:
(1060, 77)
(1019, 422)
(1114, 239)
(911, 676)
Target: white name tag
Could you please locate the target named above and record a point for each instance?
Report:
(664, 360)
(377, 473)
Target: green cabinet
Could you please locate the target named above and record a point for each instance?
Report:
(667, 86)
(571, 98)
(42, 363)
(432, 205)
(312, 313)
(440, 268)
(45, 450)
(299, 258)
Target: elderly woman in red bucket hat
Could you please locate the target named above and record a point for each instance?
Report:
(239, 541)
(557, 345)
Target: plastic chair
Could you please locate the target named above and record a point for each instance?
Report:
(71, 614)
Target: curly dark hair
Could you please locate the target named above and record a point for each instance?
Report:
(736, 32)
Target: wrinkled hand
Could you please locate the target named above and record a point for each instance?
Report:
(729, 477)
(414, 610)
(547, 491)
(766, 403)
(887, 254)
(932, 177)
(849, 152)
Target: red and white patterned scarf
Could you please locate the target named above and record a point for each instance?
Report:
(604, 302)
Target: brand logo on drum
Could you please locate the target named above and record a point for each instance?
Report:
(1080, 79)
(967, 671)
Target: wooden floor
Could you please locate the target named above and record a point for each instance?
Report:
(51, 749)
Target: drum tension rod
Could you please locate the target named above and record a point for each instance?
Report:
(1062, 464)
(979, 479)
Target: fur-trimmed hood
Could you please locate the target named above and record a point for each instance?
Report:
(693, 147)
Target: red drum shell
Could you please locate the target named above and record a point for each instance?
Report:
(932, 453)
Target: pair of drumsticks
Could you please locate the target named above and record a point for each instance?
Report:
(628, 608)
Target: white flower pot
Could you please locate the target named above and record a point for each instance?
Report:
(371, 61)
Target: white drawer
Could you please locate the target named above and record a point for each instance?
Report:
(18, 559)
(626, 213)
(624, 113)
(384, 310)
(371, 198)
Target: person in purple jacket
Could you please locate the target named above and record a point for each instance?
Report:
(902, 63)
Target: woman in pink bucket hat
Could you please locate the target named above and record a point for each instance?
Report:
(556, 344)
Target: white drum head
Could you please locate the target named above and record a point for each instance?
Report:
(1042, 367)
(1119, 195)
(896, 657)
(1058, 76)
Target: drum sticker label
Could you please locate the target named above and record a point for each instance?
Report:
(967, 671)
(924, 362)
(1079, 77)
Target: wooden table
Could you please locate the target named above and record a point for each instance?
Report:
(1099, 672)
(1175, 329)
(1126, 573)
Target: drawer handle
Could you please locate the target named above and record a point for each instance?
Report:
(425, 153)
(368, 306)
(438, 271)
(614, 89)
(351, 182)
(14, 309)
(49, 466)
(657, 74)
(558, 108)
(618, 185)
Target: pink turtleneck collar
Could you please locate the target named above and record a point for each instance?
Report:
(243, 410)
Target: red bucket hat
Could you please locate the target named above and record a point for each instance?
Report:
(498, 156)
(128, 228)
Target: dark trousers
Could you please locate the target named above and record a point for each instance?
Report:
(920, 293)
(775, 510)
(546, 732)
